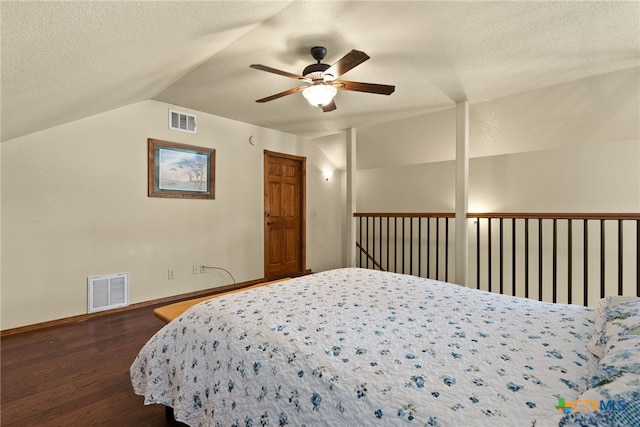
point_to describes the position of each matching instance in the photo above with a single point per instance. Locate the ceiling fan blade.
(329, 107)
(364, 87)
(346, 63)
(281, 94)
(276, 71)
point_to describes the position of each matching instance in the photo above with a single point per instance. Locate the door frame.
(303, 208)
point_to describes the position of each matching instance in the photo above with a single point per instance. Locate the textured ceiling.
(62, 61)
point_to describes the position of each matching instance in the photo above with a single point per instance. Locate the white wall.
(74, 205)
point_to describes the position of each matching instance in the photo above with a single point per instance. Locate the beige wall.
(74, 205)
(569, 147)
(74, 198)
(324, 210)
(572, 147)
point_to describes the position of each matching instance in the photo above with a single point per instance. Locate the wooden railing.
(556, 257)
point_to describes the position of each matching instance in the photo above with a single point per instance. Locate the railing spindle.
(554, 267)
(501, 246)
(388, 243)
(478, 253)
(437, 248)
(489, 252)
(540, 259)
(585, 260)
(411, 246)
(446, 250)
(429, 247)
(419, 247)
(570, 261)
(360, 240)
(602, 258)
(526, 257)
(403, 243)
(395, 244)
(620, 258)
(513, 256)
(373, 237)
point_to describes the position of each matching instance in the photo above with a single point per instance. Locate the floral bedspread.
(356, 347)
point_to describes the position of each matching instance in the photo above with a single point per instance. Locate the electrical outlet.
(196, 269)
(202, 269)
(171, 274)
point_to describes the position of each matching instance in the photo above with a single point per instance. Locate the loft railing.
(570, 258)
(393, 242)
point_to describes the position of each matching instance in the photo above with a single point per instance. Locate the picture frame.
(180, 171)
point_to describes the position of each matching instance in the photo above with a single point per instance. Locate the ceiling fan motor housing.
(315, 68)
(318, 53)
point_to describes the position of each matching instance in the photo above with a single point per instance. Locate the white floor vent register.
(107, 292)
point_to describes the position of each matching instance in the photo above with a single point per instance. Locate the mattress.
(354, 347)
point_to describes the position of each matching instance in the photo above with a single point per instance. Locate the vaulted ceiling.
(62, 61)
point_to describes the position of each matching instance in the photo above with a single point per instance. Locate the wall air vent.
(107, 292)
(182, 121)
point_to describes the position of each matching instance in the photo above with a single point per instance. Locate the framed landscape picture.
(180, 171)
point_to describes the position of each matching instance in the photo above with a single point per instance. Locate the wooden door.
(284, 214)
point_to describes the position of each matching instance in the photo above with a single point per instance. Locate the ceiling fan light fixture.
(322, 80)
(319, 95)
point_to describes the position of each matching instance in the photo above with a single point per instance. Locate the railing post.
(350, 235)
(462, 191)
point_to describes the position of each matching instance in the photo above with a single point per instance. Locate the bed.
(355, 346)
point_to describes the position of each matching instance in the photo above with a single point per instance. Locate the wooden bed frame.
(169, 312)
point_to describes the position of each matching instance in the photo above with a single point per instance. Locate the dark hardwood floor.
(77, 374)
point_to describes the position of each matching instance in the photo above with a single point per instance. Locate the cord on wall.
(223, 269)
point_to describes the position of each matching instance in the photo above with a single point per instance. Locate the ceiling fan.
(321, 80)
